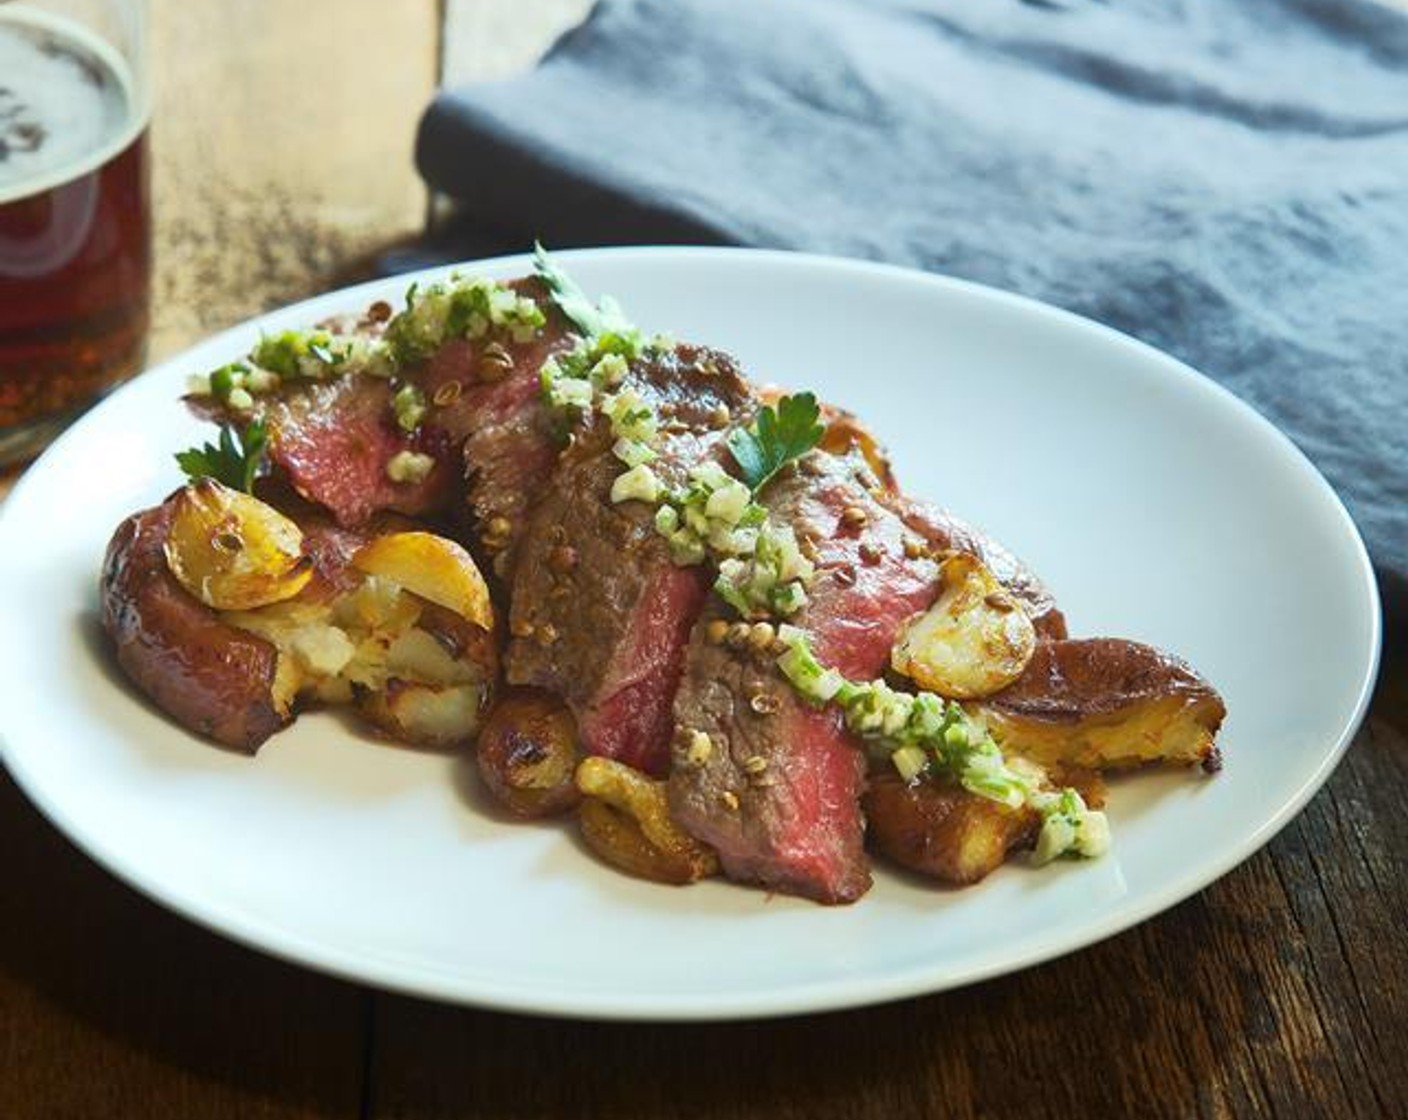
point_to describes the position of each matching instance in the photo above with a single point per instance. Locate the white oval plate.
(1156, 505)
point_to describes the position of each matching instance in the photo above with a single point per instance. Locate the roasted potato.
(232, 551)
(974, 640)
(942, 532)
(210, 676)
(941, 830)
(435, 568)
(1105, 703)
(528, 753)
(418, 666)
(626, 820)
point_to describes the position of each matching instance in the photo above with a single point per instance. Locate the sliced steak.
(599, 612)
(333, 440)
(776, 789)
(492, 409)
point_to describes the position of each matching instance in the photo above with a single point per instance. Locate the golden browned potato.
(940, 829)
(436, 568)
(973, 641)
(626, 820)
(312, 626)
(528, 753)
(232, 551)
(1104, 703)
(942, 532)
(211, 677)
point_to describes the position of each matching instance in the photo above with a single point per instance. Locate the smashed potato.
(626, 820)
(941, 830)
(433, 567)
(232, 551)
(1105, 703)
(975, 640)
(311, 626)
(208, 675)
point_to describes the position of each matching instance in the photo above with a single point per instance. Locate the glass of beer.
(75, 222)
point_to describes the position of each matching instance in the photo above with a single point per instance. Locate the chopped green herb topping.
(463, 307)
(772, 581)
(408, 403)
(409, 467)
(1068, 827)
(308, 354)
(776, 437)
(922, 733)
(236, 460)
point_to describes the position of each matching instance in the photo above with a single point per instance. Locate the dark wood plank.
(1282, 990)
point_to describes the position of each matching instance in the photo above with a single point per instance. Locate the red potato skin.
(209, 676)
(527, 754)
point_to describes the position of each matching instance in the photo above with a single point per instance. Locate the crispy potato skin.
(1104, 703)
(941, 830)
(209, 676)
(527, 754)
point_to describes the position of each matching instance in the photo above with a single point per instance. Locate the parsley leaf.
(776, 437)
(236, 460)
(593, 320)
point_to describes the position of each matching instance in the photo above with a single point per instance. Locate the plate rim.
(829, 995)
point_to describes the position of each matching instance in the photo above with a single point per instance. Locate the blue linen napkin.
(1227, 181)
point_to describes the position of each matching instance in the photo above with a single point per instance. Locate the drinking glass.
(75, 218)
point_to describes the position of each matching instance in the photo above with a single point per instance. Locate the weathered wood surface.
(1282, 990)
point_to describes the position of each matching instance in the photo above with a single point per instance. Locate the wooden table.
(280, 161)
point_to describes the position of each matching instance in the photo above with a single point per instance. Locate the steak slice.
(493, 413)
(776, 787)
(599, 612)
(334, 440)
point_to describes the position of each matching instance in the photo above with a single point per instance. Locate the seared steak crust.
(599, 613)
(494, 412)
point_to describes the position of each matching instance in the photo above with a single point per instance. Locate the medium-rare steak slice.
(761, 775)
(599, 611)
(334, 440)
(401, 413)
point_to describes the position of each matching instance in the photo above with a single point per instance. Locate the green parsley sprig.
(776, 437)
(595, 320)
(236, 460)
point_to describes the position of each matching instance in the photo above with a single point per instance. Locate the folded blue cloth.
(1227, 181)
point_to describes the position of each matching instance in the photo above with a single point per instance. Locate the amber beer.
(75, 238)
